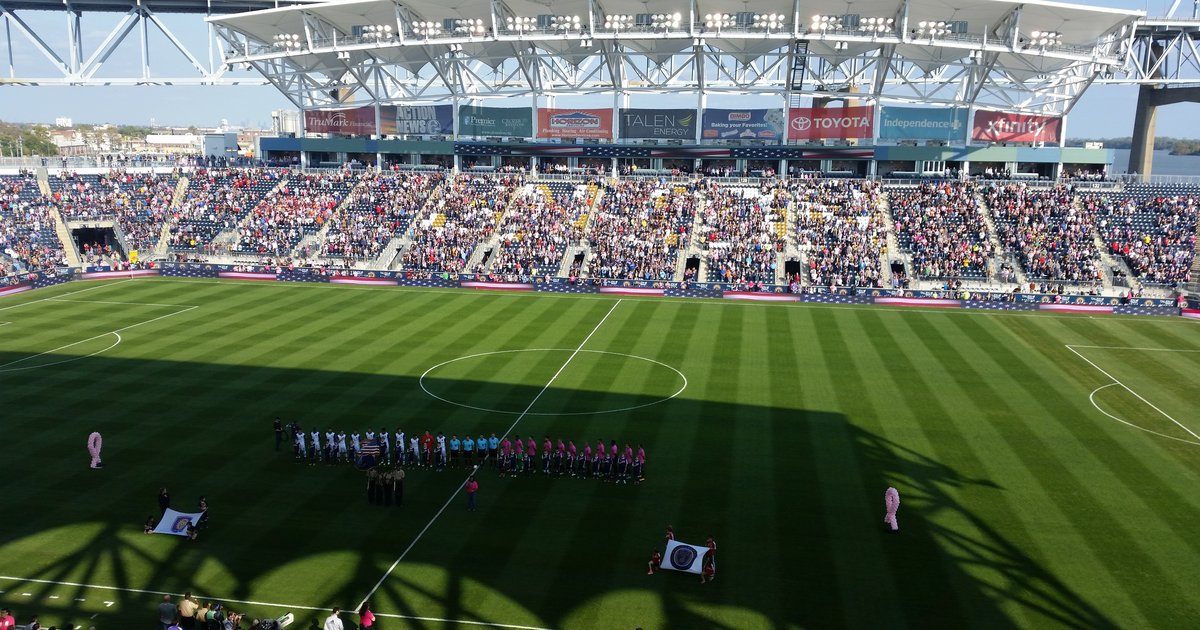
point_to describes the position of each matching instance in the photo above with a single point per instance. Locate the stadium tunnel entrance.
(97, 239)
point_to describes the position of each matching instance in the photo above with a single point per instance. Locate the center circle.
(426, 378)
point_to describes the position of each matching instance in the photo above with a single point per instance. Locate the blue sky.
(1102, 112)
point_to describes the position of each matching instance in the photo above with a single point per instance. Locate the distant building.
(63, 121)
(285, 121)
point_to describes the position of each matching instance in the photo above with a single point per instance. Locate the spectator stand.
(217, 200)
(376, 214)
(136, 204)
(639, 228)
(1049, 234)
(1153, 234)
(298, 209)
(943, 230)
(28, 240)
(743, 230)
(840, 234)
(544, 217)
(452, 227)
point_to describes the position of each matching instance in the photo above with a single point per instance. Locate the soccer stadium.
(465, 354)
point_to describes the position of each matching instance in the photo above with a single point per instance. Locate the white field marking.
(4, 324)
(248, 602)
(421, 382)
(1138, 349)
(458, 489)
(7, 366)
(1092, 399)
(118, 303)
(1127, 388)
(705, 301)
(54, 297)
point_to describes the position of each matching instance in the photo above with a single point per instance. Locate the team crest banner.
(176, 523)
(684, 557)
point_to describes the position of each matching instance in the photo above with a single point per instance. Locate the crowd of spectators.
(941, 225)
(300, 207)
(1156, 235)
(464, 216)
(1050, 235)
(217, 200)
(840, 229)
(738, 225)
(380, 208)
(27, 237)
(538, 226)
(139, 202)
(639, 228)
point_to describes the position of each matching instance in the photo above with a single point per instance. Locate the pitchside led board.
(1009, 127)
(513, 122)
(831, 123)
(743, 124)
(948, 124)
(679, 124)
(575, 123)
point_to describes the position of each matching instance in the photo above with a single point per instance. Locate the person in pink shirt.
(531, 452)
(587, 460)
(597, 458)
(472, 487)
(572, 456)
(505, 449)
(639, 466)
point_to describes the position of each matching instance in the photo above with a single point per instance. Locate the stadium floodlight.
(427, 29)
(469, 26)
(618, 22)
(286, 41)
(377, 32)
(666, 21)
(877, 25)
(768, 21)
(932, 29)
(825, 23)
(522, 24)
(1044, 39)
(566, 23)
(718, 21)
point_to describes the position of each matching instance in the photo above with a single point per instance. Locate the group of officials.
(510, 457)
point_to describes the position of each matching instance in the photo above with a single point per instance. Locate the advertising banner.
(831, 123)
(359, 121)
(1008, 127)
(658, 123)
(574, 123)
(743, 124)
(475, 120)
(947, 124)
(424, 121)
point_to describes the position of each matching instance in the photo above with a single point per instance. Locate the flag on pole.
(684, 557)
(176, 523)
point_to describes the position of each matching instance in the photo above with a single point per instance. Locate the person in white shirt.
(342, 446)
(331, 446)
(356, 443)
(385, 448)
(400, 442)
(416, 448)
(441, 455)
(332, 622)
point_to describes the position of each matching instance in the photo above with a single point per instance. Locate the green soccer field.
(1047, 464)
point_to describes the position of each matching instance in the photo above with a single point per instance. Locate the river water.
(1164, 163)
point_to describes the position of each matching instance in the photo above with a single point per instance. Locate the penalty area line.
(454, 494)
(250, 602)
(7, 367)
(1115, 381)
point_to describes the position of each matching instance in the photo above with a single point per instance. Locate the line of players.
(509, 457)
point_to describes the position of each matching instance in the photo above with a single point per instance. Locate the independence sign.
(424, 121)
(658, 123)
(743, 124)
(923, 123)
(516, 122)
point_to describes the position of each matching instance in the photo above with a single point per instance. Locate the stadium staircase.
(785, 228)
(64, 235)
(43, 180)
(164, 237)
(399, 242)
(492, 243)
(1107, 260)
(316, 240)
(999, 254)
(695, 243)
(891, 250)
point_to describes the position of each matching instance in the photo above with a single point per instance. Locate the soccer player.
(503, 464)
(401, 447)
(385, 448)
(300, 448)
(532, 451)
(315, 444)
(414, 444)
(597, 458)
(623, 469)
(639, 466)
(441, 452)
(330, 445)
(455, 450)
(655, 562)
(427, 448)
(572, 454)
(343, 452)
(356, 444)
(587, 460)
(547, 453)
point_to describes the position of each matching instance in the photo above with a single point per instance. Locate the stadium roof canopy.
(1032, 56)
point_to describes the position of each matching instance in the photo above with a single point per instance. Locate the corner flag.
(684, 557)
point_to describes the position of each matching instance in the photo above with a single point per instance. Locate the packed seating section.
(841, 231)
(738, 228)
(544, 218)
(639, 229)
(941, 225)
(28, 241)
(380, 208)
(1051, 236)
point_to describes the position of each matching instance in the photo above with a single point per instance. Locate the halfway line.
(510, 428)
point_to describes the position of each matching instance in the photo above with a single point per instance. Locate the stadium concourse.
(804, 235)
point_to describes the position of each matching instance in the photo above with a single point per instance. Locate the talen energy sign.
(743, 124)
(514, 122)
(658, 123)
(574, 123)
(947, 124)
(1009, 127)
(831, 123)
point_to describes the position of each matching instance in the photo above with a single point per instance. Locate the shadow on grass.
(541, 552)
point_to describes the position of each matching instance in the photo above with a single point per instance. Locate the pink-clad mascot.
(94, 443)
(891, 500)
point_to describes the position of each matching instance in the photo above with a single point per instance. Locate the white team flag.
(684, 557)
(176, 523)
